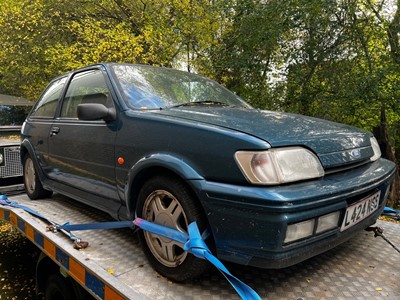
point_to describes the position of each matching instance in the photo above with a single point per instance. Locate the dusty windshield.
(13, 111)
(145, 87)
(13, 115)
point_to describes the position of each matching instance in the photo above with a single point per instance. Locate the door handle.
(54, 131)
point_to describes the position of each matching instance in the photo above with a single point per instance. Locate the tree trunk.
(381, 135)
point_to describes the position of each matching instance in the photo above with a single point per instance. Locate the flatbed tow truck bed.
(114, 267)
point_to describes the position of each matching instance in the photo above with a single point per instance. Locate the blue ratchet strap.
(7, 202)
(78, 243)
(391, 213)
(194, 244)
(91, 226)
(67, 226)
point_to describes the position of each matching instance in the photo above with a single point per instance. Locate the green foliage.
(338, 60)
(43, 38)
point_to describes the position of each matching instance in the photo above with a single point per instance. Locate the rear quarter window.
(47, 104)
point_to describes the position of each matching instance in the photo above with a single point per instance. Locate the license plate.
(360, 210)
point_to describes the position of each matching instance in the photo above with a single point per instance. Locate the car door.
(82, 152)
(40, 120)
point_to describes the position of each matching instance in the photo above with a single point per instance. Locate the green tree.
(248, 49)
(334, 59)
(43, 38)
(338, 60)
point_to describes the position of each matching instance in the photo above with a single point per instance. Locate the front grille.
(11, 166)
(347, 167)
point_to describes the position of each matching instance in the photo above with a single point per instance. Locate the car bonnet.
(335, 144)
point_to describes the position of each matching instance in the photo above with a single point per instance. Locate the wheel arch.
(27, 148)
(45, 267)
(158, 164)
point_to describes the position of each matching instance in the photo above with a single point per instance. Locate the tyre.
(33, 186)
(59, 288)
(168, 201)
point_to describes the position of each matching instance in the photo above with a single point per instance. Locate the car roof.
(15, 101)
(107, 65)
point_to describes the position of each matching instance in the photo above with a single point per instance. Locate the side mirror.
(95, 111)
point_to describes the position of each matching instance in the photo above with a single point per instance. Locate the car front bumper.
(249, 223)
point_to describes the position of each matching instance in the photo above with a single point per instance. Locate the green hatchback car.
(272, 189)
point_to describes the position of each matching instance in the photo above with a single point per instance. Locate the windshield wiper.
(200, 103)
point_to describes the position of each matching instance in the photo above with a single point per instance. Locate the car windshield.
(11, 115)
(145, 87)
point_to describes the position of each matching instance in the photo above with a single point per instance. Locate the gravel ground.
(17, 265)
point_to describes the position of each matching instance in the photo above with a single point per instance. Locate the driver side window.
(85, 87)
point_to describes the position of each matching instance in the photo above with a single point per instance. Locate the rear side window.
(85, 87)
(47, 104)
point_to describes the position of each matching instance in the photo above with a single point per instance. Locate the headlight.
(279, 165)
(376, 148)
(1, 158)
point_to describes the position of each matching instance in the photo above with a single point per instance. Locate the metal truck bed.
(113, 266)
